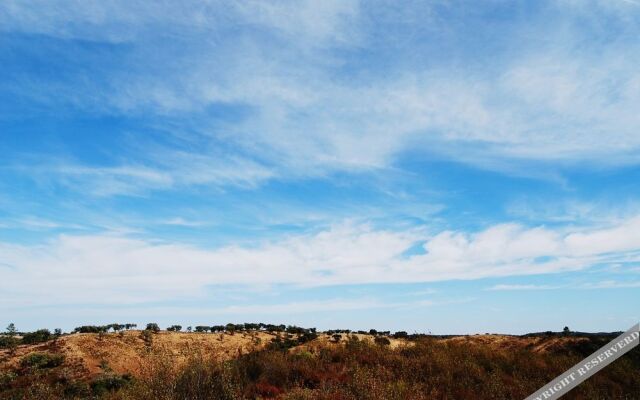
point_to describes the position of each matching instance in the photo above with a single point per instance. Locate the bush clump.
(41, 360)
(7, 342)
(110, 383)
(39, 336)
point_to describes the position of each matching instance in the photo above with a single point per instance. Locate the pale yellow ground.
(89, 353)
(537, 344)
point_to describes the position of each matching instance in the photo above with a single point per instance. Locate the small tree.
(153, 327)
(11, 329)
(230, 328)
(175, 328)
(566, 331)
(56, 334)
(12, 342)
(401, 335)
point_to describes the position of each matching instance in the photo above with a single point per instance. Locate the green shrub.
(7, 342)
(77, 389)
(39, 336)
(401, 335)
(90, 329)
(41, 360)
(110, 383)
(147, 337)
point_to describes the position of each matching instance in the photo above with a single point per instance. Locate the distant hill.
(258, 364)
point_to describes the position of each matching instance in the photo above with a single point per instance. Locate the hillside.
(131, 364)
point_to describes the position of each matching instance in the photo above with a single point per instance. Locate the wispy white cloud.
(97, 268)
(179, 221)
(303, 307)
(611, 284)
(37, 223)
(576, 211)
(311, 111)
(311, 23)
(119, 20)
(424, 292)
(278, 311)
(608, 284)
(176, 170)
(524, 287)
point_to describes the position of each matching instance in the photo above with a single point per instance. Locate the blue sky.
(443, 166)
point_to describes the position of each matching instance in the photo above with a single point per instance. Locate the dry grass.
(200, 366)
(126, 352)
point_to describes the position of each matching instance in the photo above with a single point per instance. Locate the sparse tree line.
(247, 327)
(11, 337)
(43, 335)
(374, 332)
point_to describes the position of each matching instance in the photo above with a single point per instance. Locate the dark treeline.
(115, 327)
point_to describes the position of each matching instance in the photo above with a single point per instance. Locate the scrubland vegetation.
(303, 364)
